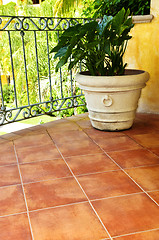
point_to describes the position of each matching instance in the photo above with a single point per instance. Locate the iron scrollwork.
(26, 112)
(21, 25)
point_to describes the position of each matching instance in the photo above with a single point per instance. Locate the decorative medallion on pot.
(112, 91)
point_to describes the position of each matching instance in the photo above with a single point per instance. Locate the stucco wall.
(143, 53)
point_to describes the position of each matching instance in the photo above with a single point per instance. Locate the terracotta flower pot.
(112, 100)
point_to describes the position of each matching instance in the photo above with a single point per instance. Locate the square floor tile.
(147, 117)
(140, 127)
(85, 123)
(33, 139)
(44, 170)
(79, 148)
(53, 193)
(134, 158)
(6, 145)
(108, 184)
(11, 200)
(37, 153)
(146, 177)
(155, 151)
(150, 140)
(15, 227)
(36, 128)
(155, 123)
(9, 175)
(148, 235)
(37, 132)
(73, 222)
(128, 214)
(68, 136)
(22, 132)
(10, 136)
(91, 164)
(4, 141)
(117, 143)
(155, 195)
(55, 124)
(96, 134)
(7, 156)
(75, 118)
(61, 125)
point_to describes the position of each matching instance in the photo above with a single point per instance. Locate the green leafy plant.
(98, 46)
(99, 8)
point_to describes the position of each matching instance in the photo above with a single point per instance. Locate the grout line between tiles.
(74, 203)
(126, 173)
(37, 161)
(12, 214)
(153, 190)
(12, 185)
(24, 194)
(125, 195)
(129, 234)
(58, 206)
(83, 191)
(8, 165)
(77, 175)
(142, 145)
(93, 173)
(46, 180)
(82, 155)
(137, 184)
(142, 166)
(53, 159)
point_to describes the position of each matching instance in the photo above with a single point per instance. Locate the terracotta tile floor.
(65, 180)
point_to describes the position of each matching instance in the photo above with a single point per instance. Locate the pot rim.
(126, 73)
(134, 79)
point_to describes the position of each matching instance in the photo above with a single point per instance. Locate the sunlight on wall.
(143, 53)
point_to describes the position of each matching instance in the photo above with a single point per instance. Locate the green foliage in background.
(8, 94)
(23, 9)
(18, 60)
(68, 8)
(99, 8)
(48, 8)
(8, 9)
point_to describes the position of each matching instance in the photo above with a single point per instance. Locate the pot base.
(109, 126)
(112, 121)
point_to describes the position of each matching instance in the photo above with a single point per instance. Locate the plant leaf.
(61, 52)
(104, 24)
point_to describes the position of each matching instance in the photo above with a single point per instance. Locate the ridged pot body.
(112, 100)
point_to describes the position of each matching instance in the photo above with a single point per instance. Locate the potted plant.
(111, 91)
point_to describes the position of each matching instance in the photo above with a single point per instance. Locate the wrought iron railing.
(29, 86)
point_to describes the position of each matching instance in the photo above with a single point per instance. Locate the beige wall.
(143, 53)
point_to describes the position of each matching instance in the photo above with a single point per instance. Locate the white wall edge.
(142, 18)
